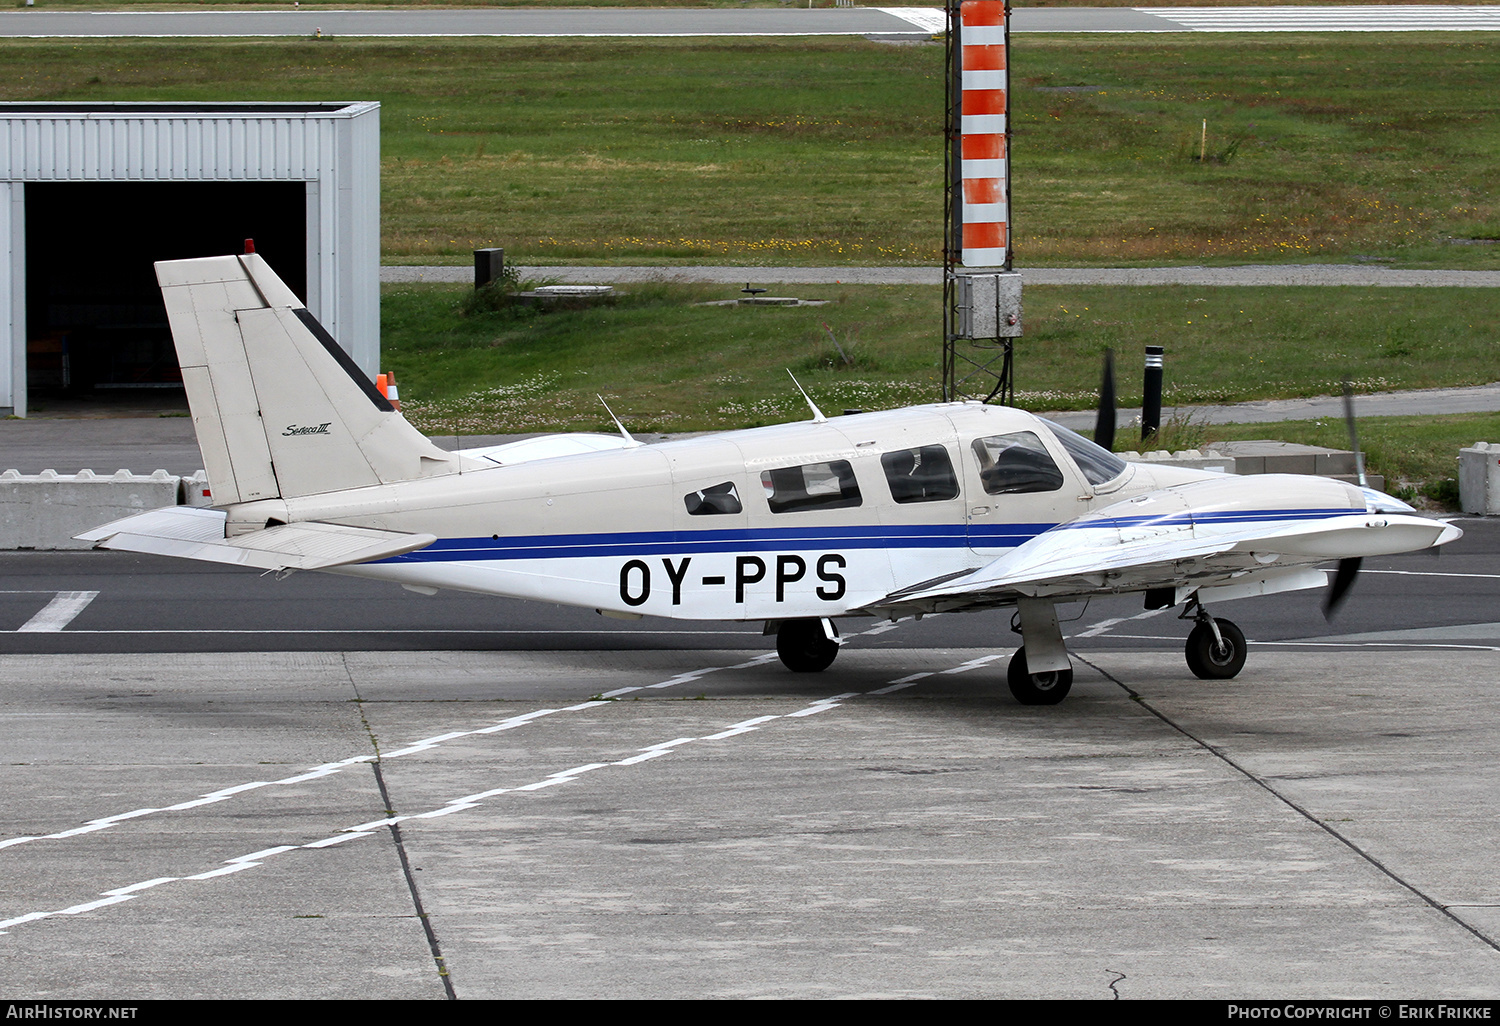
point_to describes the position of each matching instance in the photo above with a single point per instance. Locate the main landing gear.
(807, 646)
(1215, 648)
(1046, 675)
(1029, 688)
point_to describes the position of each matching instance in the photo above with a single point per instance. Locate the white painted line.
(643, 757)
(143, 885)
(86, 829)
(376, 824)
(824, 704)
(426, 744)
(264, 853)
(329, 842)
(235, 868)
(238, 789)
(1103, 626)
(89, 906)
(743, 727)
(121, 816)
(29, 917)
(757, 661)
(617, 692)
(1427, 573)
(58, 613)
(193, 804)
(973, 664)
(248, 861)
(516, 721)
(322, 771)
(482, 795)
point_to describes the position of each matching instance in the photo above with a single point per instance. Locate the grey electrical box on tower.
(989, 304)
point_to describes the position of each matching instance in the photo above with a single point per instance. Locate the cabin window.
(1017, 462)
(715, 501)
(920, 475)
(814, 486)
(1097, 463)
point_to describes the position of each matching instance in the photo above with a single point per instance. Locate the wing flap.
(196, 533)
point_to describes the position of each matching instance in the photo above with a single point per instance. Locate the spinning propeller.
(1104, 427)
(1348, 569)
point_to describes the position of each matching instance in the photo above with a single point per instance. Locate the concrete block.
(45, 511)
(195, 490)
(1332, 464)
(1185, 458)
(1291, 463)
(1479, 478)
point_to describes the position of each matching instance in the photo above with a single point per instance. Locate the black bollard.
(489, 264)
(1151, 405)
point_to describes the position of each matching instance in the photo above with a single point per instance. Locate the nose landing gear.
(1215, 648)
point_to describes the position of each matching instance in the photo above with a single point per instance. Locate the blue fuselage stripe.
(650, 543)
(746, 540)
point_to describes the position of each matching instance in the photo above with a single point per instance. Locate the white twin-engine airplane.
(955, 506)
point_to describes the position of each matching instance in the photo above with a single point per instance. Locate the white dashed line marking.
(58, 613)
(465, 803)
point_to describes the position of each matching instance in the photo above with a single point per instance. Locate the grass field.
(1329, 147)
(665, 363)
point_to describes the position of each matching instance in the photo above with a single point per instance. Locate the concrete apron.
(706, 824)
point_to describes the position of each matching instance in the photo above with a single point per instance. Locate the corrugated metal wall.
(334, 148)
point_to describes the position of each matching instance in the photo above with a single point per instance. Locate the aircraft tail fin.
(279, 407)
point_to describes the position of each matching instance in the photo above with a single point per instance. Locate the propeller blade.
(1104, 427)
(1359, 457)
(1343, 580)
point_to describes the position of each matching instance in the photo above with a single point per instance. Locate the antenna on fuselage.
(818, 417)
(630, 441)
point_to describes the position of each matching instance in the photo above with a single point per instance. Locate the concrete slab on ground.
(214, 826)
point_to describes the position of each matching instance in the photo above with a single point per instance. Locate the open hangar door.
(91, 194)
(96, 328)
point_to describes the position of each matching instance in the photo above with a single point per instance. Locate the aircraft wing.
(198, 533)
(1241, 542)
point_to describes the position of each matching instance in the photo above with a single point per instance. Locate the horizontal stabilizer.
(198, 533)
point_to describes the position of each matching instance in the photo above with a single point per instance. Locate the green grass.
(671, 364)
(776, 151)
(666, 364)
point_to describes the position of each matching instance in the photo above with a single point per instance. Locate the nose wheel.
(1215, 647)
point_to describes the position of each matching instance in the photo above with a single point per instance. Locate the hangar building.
(92, 194)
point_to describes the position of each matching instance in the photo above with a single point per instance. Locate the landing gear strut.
(1215, 648)
(807, 646)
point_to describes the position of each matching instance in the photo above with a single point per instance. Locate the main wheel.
(1209, 661)
(1037, 688)
(803, 647)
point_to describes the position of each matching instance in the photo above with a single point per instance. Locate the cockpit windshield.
(1098, 464)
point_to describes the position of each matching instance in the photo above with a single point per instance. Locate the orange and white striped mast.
(982, 294)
